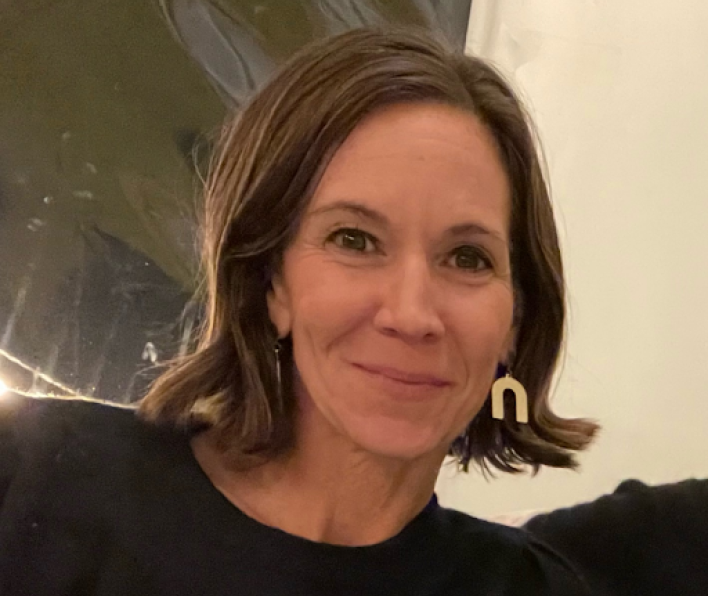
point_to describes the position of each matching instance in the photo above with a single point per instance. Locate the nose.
(408, 306)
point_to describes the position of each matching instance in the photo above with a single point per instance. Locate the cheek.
(330, 301)
(483, 324)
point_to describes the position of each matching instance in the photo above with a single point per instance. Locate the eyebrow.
(360, 210)
(354, 208)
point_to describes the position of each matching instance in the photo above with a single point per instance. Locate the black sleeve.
(640, 540)
(544, 572)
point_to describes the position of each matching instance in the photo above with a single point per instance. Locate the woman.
(378, 246)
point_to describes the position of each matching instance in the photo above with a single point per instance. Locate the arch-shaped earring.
(522, 403)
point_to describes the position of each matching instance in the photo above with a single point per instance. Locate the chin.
(398, 440)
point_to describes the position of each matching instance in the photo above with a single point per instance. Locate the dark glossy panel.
(104, 106)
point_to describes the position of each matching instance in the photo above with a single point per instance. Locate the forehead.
(413, 153)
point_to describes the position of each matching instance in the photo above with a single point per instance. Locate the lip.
(403, 376)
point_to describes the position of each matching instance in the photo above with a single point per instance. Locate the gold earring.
(522, 403)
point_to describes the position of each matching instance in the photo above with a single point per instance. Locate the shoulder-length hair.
(267, 163)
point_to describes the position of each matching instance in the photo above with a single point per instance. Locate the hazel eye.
(470, 258)
(353, 240)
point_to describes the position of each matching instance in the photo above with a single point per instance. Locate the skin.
(397, 292)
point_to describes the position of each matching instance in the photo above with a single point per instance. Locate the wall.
(620, 94)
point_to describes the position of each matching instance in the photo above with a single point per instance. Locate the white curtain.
(619, 89)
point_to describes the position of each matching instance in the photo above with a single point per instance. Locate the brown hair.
(267, 163)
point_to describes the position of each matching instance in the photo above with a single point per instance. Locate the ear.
(279, 308)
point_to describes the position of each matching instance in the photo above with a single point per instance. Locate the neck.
(326, 490)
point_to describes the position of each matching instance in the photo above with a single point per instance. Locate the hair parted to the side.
(266, 165)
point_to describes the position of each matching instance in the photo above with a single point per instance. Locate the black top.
(93, 501)
(639, 541)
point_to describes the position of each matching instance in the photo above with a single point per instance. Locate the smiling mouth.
(406, 378)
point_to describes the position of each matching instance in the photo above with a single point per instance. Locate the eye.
(470, 258)
(353, 239)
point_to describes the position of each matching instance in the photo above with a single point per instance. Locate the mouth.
(404, 377)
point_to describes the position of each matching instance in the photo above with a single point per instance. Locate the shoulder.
(523, 564)
(58, 413)
(32, 426)
(51, 440)
(72, 472)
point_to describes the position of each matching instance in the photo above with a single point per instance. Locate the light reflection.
(36, 373)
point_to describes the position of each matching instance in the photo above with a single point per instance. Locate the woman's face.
(397, 288)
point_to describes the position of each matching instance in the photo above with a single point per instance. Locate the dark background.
(106, 107)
